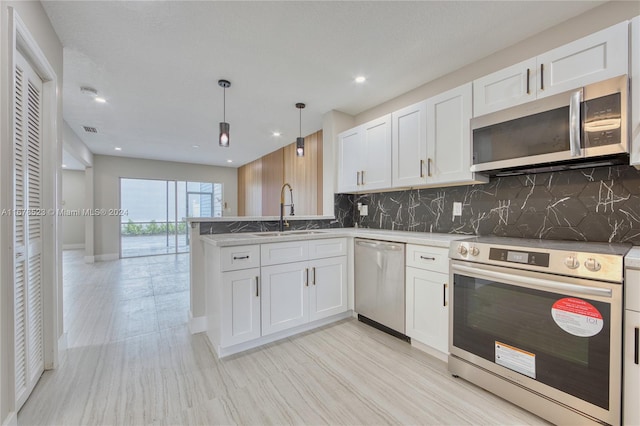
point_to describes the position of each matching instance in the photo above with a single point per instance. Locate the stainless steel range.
(539, 323)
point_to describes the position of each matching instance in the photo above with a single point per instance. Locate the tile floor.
(131, 360)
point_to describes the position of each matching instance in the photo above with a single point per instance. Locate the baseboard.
(72, 246)
(89, 259)
(431, 351)
(197, 324)
(106, 257)
(11, 420)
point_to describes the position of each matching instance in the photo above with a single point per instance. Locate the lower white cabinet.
(631, 392)
(241, 312)
(427, 311)
(427, 297)
(296, 293)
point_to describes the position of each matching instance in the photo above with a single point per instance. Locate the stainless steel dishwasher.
(379, 285)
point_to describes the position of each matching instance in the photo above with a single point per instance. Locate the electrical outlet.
(364, 210)
(457, 209)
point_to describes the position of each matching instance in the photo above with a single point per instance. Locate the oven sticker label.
(577, 317)
(516, 359)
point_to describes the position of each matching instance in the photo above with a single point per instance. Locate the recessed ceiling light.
(360, 79)
(117, 148)
(100, 100)
(195, 146)
(276, 133)
(229, 161)
(64, 166)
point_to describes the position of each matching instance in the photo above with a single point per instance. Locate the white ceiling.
(157, 63)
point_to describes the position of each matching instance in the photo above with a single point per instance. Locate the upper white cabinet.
(409, 145)
(363, 156)
(449, 138)
(635, 91)
(432, 141)
(594, 58)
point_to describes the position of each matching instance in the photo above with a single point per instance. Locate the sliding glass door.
(156, 210)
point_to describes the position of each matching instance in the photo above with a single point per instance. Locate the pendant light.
(300, 139)
(224, 126)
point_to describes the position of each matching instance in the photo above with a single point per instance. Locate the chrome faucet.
(282, 222)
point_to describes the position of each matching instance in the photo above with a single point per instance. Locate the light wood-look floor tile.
(132, 361)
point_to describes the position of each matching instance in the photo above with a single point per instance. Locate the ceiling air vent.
(90, 129)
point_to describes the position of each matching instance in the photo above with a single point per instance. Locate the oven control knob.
(571, 262)
(592, 264)
(462, 250)
(474, 251)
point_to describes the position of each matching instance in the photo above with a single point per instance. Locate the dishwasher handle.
(380, 245)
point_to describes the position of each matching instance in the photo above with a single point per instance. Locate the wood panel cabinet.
(272, 178)
(596, 57)
(250, 189)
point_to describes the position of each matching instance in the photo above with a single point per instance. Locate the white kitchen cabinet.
(285, 296)
(596, 57)
(508, 87)
(635, 91)
(449, 138)
(409, 146)
(241, 310)
(427, 312)
(328, 288)
(363, 157)
(631, 367)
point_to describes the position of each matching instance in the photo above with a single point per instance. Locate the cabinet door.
(349, 160)
(285, 296)
(449, 136)
(635, 92)
(409, 145)
(427, 312)
(505, 88)
(241, 309)
(328, 295)
(597, 57)
(631, 408)
(376, 150)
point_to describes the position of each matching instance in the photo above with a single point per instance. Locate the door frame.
(21, 40)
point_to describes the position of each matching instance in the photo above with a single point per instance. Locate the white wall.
(74, 146)
(38, 25)
(73, 199)
(107, 172)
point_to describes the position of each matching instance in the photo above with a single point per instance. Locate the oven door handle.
(537, 282)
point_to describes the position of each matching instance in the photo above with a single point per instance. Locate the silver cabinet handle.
(257, 287)
(358, 178)
(306, 281)
(528, 80)
(427, 258)
(362, 177)
(444, 294)
(421, 168)
(240, 257)
(574, 123)
(541, 76)
(314, 276)
(635, 348)
(429, 167)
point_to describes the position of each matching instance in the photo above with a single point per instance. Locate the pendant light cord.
(224, 104)
(300, 121)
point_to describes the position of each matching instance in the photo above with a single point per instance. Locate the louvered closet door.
(29, 341)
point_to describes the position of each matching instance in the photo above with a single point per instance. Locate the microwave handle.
(574, 123)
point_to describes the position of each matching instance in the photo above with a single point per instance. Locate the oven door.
(557, 336)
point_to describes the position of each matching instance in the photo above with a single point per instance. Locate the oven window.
(487, 312)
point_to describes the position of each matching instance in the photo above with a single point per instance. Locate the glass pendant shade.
(300, 147)
(224, 135)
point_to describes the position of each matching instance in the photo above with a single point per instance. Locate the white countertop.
(255, 218)
(246, 238)
(632, 259)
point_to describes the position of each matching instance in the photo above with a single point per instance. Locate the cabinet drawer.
(632, 290)
(241, 257)
(276, 253)
(329, 247)
(430, 258)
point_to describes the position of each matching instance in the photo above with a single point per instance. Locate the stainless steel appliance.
(379, 284)
(583, 127)
(540, 323)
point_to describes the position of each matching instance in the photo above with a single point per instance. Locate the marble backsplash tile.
(265, 226)
(597, 204)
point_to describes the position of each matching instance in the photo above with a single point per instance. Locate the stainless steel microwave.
(580, 128)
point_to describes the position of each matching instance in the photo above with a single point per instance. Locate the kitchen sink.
(285, 233)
